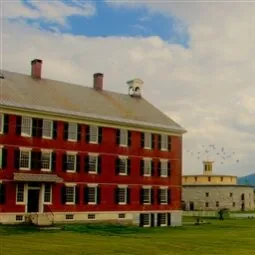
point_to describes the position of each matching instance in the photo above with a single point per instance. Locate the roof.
(50, 96)
(37, 177)
(211, 175)
(216, 185)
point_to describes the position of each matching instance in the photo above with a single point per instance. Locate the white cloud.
(208, 87)
(50, 11)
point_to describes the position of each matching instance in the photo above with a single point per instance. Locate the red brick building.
(75, 153)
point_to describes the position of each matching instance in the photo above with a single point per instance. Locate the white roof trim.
(94, 116)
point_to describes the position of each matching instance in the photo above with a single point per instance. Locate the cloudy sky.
(196, 59)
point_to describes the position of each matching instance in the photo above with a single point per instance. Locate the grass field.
(233, 237)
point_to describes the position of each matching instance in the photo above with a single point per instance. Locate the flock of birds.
(211, 152)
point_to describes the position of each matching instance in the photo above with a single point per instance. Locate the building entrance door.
(33, 200)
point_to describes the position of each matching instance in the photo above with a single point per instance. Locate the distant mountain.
(247, 180)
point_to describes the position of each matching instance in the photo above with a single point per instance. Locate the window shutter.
(16, 158)
(34, 160)
(78, 164)
(152, 196)
(169, 143)
(2, 193)
(53, 161)
(169, 196)
(39, 160)
(158, 196)
(169, 219)
(152, 168)
(142, 140)
(152, 220)
(64, 163)
(86, 163)
(6, 123)
(152, 141)
(77, 194)
(87, 134)
(99, 164)
(39, 127)
(55, 129)
(85, 195)
(159, 168)
(100, 134)
(129, 138)
(118, 137)
(63, 195)
(128, 166)
(116, 195)
(18, 125)
(141, 167)
(117, 166)
(79, 132)
(65, 131)
(34, 128)
(159, 142)
(4, 158)
(168, 168)
(158, 219)
(98, 195)
(141, 196)
(141, 220)
(128, 195)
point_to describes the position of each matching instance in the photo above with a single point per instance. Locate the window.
(93, 163)
(19, 217)
(209, 179)
(46, 161)
(122, 216)
(162, 219)
(92, 195)
(1, 157)
(25, 159)
(47, 193)
(71, 162)
(195, 179)
(164, 142)
(70, 194)
(234, 204)
(122, 166)
(163, 195)
(146, 220)
(147, 140)
(221, 178)
(26, 126)
(69, 216)
(20, 193)
(47, 129)
(1, 123)
(72, 131)
(91, 216)
(123, 137)
(217, 204)
(146, 195)
(147, 167)
(231, 194)
(207, 194)
(164, 168)
(206, 204)
(122, 195)
(93, 134)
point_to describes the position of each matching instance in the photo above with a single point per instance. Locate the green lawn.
(233, 237)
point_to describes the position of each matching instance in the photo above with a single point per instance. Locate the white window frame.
(123, 136)
(96, 167)
(95, 186)
(164, 161)
(24, 193)
(30, 119)
(51, 129)
(1, 156)
(147, 188)
(164, 224)
(50, 202)
(125, 196)
(126, 165)
(147, 139)
(147, 161)
(69, 133)
(96, 129)
(166, 190)
(29, 161)
(47, 151)
(1, 123)
(164, 136)
(71, 185)
(72, 153)
(149, 223)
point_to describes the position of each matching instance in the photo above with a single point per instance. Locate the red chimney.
(36, 68)
(98, 81)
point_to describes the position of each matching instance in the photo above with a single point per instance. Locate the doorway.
(33, 200)
(191, 206)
